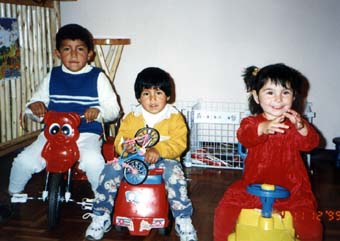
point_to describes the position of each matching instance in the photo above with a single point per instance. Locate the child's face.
(153, 100)
(74, 54)
(274, 99)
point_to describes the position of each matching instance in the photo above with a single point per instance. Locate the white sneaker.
(185, 229)
(98, 226)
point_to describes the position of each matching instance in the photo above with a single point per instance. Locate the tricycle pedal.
(20, 198)
(86, 204)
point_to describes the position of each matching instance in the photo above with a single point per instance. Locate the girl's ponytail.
(249, 77)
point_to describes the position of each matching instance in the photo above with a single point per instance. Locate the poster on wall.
(9, 48)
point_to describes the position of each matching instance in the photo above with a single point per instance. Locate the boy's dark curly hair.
(74, 31)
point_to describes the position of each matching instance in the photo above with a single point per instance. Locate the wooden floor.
(206, 188)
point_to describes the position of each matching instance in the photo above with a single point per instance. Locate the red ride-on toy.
(141, 203)
(61, 154)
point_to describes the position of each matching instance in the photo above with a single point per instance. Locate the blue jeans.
(175, 184)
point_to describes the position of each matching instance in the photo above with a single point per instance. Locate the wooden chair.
(108, 54)
(109, 60)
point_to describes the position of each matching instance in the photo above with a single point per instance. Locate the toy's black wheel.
(120, 229)
(135, 172)
(152, 137)
(55, 195)
(167, 230)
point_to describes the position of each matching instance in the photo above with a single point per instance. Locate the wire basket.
(213, 126)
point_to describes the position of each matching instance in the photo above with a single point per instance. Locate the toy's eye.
(54, 128)
(67, 129)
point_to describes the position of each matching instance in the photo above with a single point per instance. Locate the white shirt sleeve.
(42, 93)
(108, 103)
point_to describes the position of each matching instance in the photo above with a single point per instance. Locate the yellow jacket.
(172, 130)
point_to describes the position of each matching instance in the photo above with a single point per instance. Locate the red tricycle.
(141, 203)
(61, 154)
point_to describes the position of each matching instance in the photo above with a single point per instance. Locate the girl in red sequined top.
(275, 135)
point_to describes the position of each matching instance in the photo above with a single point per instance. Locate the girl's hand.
(91, 114)
(151, 156)
(272, 126)
(297, 120)
(129, 146)
(38, 108)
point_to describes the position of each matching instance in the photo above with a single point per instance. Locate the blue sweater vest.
(75, 93)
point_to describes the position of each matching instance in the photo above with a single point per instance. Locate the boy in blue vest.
(74, 86)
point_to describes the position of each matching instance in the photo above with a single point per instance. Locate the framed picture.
(9, 48)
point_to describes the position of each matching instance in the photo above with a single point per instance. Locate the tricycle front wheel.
(55, 196)
(135, 172)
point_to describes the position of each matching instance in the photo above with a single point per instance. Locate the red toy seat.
(143, 207)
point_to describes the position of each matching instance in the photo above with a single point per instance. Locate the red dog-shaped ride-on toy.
(61, 149)
(61, 154)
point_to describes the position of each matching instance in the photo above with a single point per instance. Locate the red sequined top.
(275, 159)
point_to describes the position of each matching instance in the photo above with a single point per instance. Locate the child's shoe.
(99, 226)
(185, 229)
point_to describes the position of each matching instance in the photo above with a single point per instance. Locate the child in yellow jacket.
(152, 90)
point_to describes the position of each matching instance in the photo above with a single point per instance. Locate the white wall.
(205, 45)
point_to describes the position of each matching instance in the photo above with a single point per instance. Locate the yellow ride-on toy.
(264, 225)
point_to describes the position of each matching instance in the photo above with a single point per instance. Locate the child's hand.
(297, 120)
(38, 108)
(91, 114)
(129, 146)
(272, 126)
(151, 156)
